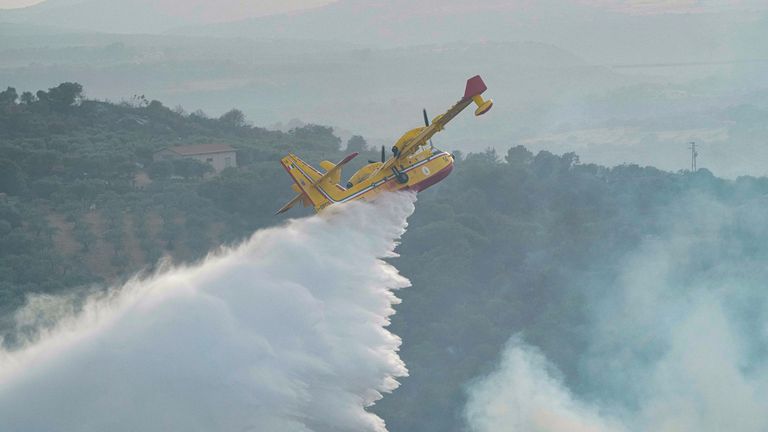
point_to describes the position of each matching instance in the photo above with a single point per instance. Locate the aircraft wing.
(475, 87)
(437, 125)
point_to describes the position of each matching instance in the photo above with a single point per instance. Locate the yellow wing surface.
(416, 138)
(312, 184)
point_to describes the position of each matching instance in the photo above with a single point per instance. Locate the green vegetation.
(74, 210)
(505, 244)
(520, 245)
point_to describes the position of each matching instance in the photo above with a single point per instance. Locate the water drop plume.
(285, 332)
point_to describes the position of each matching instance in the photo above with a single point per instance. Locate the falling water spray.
(285, 332)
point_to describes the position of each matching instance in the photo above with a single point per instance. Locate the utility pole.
(694, 155)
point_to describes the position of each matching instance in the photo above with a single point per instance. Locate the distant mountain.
(597, 33)
(119, 16)
(387, 22)
(144, 16)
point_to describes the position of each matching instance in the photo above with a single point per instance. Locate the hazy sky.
(265, 6)
(10, 4)
(678, 6)
(628, 6)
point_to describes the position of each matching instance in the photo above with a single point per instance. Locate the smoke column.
(285, 332)
(678, 343)
(524, 394)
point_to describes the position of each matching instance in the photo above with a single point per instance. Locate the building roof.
(191, 150)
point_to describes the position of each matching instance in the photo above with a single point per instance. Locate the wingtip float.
(414, 165)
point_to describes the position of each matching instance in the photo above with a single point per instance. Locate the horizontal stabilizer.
(335, 171)
(328, 166)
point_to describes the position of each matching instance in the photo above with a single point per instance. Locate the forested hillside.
(507, 243)
(526, 244)
(83, 202)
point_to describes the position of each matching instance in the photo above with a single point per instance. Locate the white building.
(219, 156)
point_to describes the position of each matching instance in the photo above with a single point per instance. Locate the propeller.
(426, 123)
(383, 156)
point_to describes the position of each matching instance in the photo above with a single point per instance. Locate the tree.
(84, 235)
(519, 156)
(199, 114)
(156, 105)
(65, 95)
(46, 187)
(189, 168)
(39, 163)
(160, 170)
(10, 214)
(489, 156)
(233, 118)
(137, 101)
(144, 154)
(357, 143)
(28, 98)
(546, 163)
(84, 190)
(5, 227)
(569, 159)
(8, 97)
(42, 95)
(315, 137)
(11, 177)
(35, 222)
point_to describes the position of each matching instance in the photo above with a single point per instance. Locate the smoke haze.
(525, 394)
(285, 332)
(677, 343)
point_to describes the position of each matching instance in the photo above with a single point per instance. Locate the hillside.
(511, 243)
(142, 16)
(83, 202)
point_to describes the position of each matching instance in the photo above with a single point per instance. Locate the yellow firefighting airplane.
(414, 165)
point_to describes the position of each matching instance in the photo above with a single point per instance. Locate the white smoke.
(525, 395)
(285, 332)
(679, 343)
